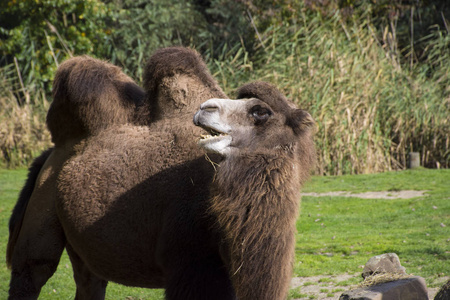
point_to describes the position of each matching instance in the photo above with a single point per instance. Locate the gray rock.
(384, 263)
(413, 288)
(413, 160)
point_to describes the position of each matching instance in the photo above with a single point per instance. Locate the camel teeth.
(208, 136)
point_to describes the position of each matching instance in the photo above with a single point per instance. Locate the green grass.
(432, 180)
(296, 293)
(338, 235)
(349, 232)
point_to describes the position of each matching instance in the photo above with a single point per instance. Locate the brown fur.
(257, 193)
(305, 147)
(154, 181)
(169, 76)
(444, 292)
(126, 201)
(256, 218)
(88, 96)
(15, 222)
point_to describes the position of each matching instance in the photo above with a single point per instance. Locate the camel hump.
(89, 95)
(177, 78)
(15, 222)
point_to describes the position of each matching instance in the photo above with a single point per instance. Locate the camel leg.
(204, 279)
(36, 255)
(89, 286)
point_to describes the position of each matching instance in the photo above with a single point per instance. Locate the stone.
(413, 160)
(444, 292)
(413, 288)
(384, 263)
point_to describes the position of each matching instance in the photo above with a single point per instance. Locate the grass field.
(336, 235)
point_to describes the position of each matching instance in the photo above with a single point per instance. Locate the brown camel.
(130, 200)
(268, 152)
(90, 95)
(176, 79)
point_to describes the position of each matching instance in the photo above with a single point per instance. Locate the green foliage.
(143, 26)
(296, 293)
(228, 24)
(376, 91)
(389, 181)
(410, 21)
(41, 33)
(140, 27)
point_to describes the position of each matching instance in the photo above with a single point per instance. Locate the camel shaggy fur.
(268, 152)
(166, 143)
(89, 95)
(130, 196)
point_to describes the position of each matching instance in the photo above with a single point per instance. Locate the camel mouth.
(213, 133)
(215, 141)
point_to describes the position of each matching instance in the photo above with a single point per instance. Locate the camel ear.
(300, 120)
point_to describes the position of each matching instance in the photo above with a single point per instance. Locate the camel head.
(261, 120)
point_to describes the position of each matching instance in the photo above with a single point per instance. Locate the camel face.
(247, 124)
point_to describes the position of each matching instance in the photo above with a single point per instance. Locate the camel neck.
(273, 173)
(255, 206)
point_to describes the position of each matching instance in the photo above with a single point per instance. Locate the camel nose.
(210, 105)
(196, 118)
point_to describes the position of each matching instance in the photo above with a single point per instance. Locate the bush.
(40, 34)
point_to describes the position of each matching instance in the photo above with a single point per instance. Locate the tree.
(38, 34)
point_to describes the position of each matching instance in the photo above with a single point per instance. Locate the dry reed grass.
(23, 133)
(370, 112)
(377, 279)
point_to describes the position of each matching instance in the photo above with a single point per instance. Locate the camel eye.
(260, 114)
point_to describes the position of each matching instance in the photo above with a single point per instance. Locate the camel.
(129, 196)
(88, 96)
(101, 95)
(267, 149)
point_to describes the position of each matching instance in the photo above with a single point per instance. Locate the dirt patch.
(331, 287)
(407, 194)
(321, 287)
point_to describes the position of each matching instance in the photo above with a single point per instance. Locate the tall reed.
(370, 111)
(23, 133)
